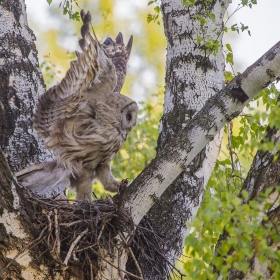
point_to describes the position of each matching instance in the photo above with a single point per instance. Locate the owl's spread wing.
(119, 53)
(92, 72)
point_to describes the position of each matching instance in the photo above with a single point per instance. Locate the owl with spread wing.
(84, 120)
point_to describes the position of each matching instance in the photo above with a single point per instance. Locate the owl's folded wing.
(93, 72)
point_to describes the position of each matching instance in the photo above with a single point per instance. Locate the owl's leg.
(83, 186)
(106, 178)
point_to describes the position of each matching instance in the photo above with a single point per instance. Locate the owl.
(84, 120)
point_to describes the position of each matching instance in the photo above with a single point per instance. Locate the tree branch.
(182, 149)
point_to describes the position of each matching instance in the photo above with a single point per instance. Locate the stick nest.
(74, 234)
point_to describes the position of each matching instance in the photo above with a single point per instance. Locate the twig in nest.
(132, 255)
(101, 231)
(90, 265)
(73, 245)
(72, 223)
(49, 226)
(126, 272)
(57, 239)
(85, 248)
(119, 264)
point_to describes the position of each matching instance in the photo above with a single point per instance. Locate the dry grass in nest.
(74, 232)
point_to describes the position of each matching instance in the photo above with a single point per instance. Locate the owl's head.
(129, 116)
(125, 111)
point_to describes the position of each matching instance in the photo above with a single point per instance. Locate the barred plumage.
(84, 119)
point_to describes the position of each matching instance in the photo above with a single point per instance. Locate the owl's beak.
(130, 129)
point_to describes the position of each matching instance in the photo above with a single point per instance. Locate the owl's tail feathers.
(47, 180)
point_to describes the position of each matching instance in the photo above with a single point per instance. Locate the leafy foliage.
(205, 16)
(229, 229)
(49, 72)
(226, 215)
(67, 6)
(155, 16)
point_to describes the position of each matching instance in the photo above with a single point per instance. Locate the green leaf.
(254, 204)
(229, 58)
(199, 39)
(236, 201)
(149, 18)
(228, 77)
(49, 1)
(245, 194)
(157, 9)
(228, 46)
(213, 17)
(202, 21)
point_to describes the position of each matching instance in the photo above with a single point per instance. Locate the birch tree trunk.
(192, 77)
(20, 84)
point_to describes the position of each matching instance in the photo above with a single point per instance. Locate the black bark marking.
(160, 178)
(204, 63)
(7, 126)
(270, 74)
(239, 94)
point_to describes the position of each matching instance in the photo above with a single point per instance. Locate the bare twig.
(73, 245)
(72, 223)
(126, 272)
(57, 238)
(132, 255)
(119, 262)
(86, 248)
(101, 231)
(231, 152)
(90, 264)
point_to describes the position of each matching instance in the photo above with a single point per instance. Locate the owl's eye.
(128, 117)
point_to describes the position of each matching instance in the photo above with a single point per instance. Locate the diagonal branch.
(182, 149)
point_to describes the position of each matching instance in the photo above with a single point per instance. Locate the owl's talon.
(124, 182)
(122, 185)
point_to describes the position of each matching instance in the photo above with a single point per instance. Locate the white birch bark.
(21, 82)
(179, 151)
(192, 77)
